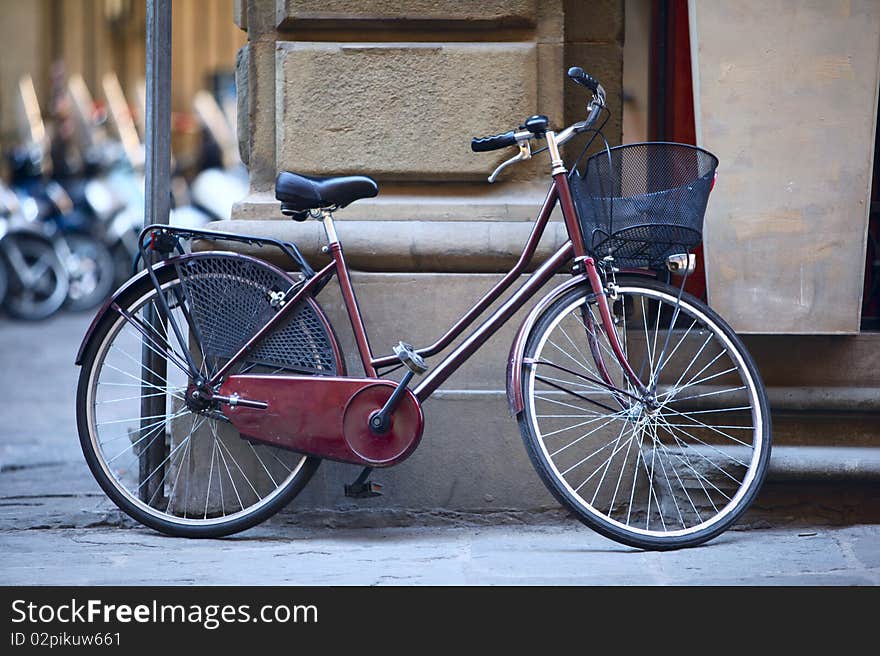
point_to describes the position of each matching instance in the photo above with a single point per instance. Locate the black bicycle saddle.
(305, 192)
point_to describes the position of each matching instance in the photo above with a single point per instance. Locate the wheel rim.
(208, 475)
(683, 464)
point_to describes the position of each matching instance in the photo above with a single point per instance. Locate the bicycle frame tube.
(488, 328)
(492, 295)
(573, 247)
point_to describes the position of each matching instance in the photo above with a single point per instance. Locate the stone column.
(396, 90)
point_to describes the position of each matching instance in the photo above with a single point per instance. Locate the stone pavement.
(57, 528)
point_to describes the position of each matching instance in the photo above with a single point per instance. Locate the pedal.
(407, 354)
(362, 488)
(365, 490)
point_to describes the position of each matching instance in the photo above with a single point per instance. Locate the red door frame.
(671, 115)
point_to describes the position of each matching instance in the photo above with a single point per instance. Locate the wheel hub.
(198, 399)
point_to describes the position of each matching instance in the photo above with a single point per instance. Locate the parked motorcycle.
(33, 279)
(69, 225)
(47, 173)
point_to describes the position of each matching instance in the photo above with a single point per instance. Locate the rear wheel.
(173, 465)
(666, 469)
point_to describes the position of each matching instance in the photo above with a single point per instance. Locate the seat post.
(329, 226)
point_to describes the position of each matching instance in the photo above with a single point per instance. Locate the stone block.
(594, 21)
(403, 111)
(506, 13)
(505, 200)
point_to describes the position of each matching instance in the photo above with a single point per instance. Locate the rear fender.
(123, 289)
(166, 267)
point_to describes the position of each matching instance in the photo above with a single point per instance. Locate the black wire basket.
(640, 203)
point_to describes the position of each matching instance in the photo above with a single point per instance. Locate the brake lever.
(525, 152)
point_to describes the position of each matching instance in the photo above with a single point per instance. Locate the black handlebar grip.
(496, 141)
(577, 74)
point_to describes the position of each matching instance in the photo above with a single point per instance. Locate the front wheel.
(668, 468)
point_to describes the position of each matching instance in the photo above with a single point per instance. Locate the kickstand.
(363, 488)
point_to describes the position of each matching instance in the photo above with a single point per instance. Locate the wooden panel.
(786, 96)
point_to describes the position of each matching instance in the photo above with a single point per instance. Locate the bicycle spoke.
(692, 382)
(168, 457)
(141, 381)
(714, 448)
(699, 424)
(558, 402)
(573, 393)
(585, 435)
(177, 476)
(699, 396)
(656, 443)
(605, 469)
(615, 448)
(219, 444)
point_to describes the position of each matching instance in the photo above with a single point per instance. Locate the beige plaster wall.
(786, 95)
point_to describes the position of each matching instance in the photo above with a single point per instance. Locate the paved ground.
(56, 527)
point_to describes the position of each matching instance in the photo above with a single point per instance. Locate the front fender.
(515, 401)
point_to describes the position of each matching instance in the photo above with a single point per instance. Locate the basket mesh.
(642, 202)
(229, 301)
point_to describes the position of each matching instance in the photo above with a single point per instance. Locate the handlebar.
(579, 76)
(536, 126)
(493, 142)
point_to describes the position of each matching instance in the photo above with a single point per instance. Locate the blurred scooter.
(46, 176)
(33, 280)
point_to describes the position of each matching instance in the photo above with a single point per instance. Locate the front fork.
(599, 289)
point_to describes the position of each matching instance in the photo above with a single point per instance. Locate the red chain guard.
(325, 416)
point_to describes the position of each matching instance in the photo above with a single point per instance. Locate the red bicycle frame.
(573, 248)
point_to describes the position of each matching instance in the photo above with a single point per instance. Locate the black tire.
(147, 512)
(645, 424)
(28, 255)
(91, 271)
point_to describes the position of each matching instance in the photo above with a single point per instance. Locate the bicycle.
(213, 384)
